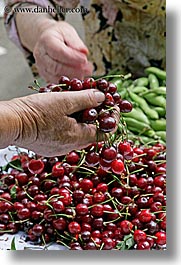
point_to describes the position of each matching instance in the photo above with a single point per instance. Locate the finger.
(60, 52)
(87, 134)
(80, 100)
(77, 43)
(52, 69)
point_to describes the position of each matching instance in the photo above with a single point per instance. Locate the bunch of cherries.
(104, 197)
(102, 115)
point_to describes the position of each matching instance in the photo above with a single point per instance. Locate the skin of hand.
(42, 122)
(60, 51)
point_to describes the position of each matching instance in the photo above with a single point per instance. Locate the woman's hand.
(43, 123)
(60, 51)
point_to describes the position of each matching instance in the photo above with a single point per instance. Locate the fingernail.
(100, 97)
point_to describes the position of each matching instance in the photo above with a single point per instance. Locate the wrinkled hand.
(60, 51)
(46, 126)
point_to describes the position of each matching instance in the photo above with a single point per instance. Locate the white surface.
(2, 5)
(6, 239)
(2, 51)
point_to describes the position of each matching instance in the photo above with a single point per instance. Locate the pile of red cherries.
(104, 197)
(102, 115)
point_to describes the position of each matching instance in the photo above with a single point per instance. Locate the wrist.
(31, 25)
(10, 124)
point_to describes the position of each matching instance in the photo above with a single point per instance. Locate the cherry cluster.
(100, 198)
(102, 116)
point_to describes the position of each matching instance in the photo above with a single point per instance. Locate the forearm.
(10, 124)
(31, 25)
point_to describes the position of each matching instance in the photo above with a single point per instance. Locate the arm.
(30, 26)
(10, 124)
(56, 46)
(42, 123)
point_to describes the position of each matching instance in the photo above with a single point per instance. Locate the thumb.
(79, 100)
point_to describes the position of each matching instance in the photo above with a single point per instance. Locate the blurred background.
(15, 74)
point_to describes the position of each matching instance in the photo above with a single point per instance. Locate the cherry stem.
(33, 88)
(111, 221)
(62, 214)
(63, 243)
(2, 199)
(124, 77)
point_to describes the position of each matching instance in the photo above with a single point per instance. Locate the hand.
(46, 127)
(60, 51)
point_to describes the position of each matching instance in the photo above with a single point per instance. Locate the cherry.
(89, 115)
(152, 227)
(161, 238)
(22, 178)
(33, 190)
(90, 246)
(89, 83)
(97, 223)
(102, 187)
(158, 197)
(125, 106)
(142, 183)
(78, 195)
(107, 124)
(58, 170)
(108, 154)
(124, 148)
(36, 215)
(98, 197)
(74, 227)
(92, 159)
(81, 209)
(86, 185)
(103, 113)
(4, 218)
(44, 89)
(97, 210)
(85, 235)
(112, 88)
(58, 206)
(143, 245)
(66, 81)
(132, 180)
(159, 181)
(145, 216)
(36, 166)
(117, 166)
(155, 206)
(59, 224)
(126, 200)
(102, 85)
(116, 96)
(142, 202)
(6, 196)
(109, 101)
(126, 227)
(23, 213)
(37, 230)
(117, 192)
(5, 207)
(139, 235)
(85, 226)
(12, 227)
(108, 243)
(76, 84)
(104, 165)
(72, 158)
